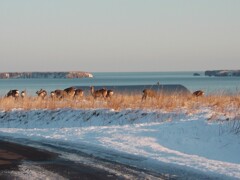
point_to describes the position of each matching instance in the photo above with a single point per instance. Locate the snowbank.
(178, 138)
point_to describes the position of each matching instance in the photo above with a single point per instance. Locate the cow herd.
(76, 93)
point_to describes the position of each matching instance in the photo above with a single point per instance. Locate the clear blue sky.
(119, 35)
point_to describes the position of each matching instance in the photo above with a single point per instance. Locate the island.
(223, 73)
(64, 75)
(196, 74)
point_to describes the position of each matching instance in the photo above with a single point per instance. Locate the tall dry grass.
(220, 103)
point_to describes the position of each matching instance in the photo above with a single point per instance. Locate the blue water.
(208, 84)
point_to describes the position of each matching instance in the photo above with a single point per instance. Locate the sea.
(192, 83)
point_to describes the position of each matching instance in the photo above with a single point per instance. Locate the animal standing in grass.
(58, 94)
(149, 93)
(70, 92)
(198, 93)
(53, 95)
(78, 94)
(98, 93)
(13, 93)
(41, 93)
(109, 93)
(23, 94)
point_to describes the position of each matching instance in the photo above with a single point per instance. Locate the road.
(28, 159)
(59, 162)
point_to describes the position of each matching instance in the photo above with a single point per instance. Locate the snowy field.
(173, 139)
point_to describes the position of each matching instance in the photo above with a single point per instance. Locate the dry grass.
(219, 103)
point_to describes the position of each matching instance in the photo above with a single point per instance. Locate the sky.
(119, 35)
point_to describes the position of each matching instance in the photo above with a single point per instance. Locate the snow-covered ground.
(174, 139)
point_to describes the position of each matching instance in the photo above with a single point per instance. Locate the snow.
(177, 138)
(29, 171)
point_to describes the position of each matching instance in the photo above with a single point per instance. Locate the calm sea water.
(208, 84)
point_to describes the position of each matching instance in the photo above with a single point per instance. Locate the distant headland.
(26, 75)
(223, 73)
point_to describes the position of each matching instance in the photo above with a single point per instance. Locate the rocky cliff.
(23, 75)
(223, 73)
